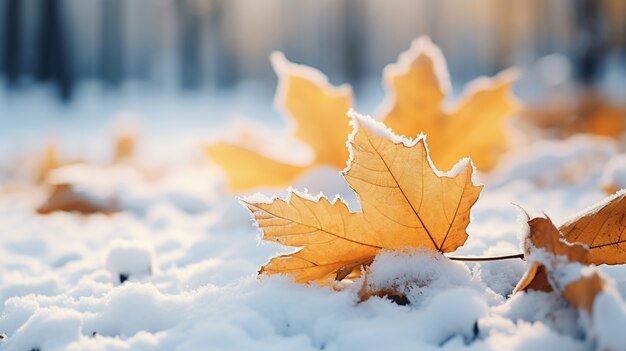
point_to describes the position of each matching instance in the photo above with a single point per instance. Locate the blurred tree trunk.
(12, 41)
(353, 53)
(590, 46)
(190, 20)
(226, 64)
(112, 42)
(52, 51)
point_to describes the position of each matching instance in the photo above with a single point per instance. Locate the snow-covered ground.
(176, 268)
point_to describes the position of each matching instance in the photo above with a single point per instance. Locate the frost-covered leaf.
(542, 234)
(562, 265)
(583, 292)
(603, 229)
(405, 202)
(418, 85)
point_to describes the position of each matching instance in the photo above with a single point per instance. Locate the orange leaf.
(417, 86)
(64, 198)
(545, 274)
(603, 229)
(405, 202)
(582, 292)
(317, 110)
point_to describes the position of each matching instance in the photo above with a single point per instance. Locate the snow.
(190, 253)
(128, 260)
(609, 318)
(614, 173)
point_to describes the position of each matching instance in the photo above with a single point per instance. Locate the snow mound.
(127, 259)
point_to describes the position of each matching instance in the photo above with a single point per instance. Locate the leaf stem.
(490, 258)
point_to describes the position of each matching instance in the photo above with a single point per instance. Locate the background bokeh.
(68, 68)
(177, 46)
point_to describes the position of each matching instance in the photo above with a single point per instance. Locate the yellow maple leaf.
(317, 111)
(602, 229)
(405, 202)
(418, 85)
(544, 235)
(580, 290)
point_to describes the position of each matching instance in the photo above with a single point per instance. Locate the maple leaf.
(64, 197)
(417, 87)
(317, 110)
(582, 289)
(544, 235)
(602, 229)
(405, 202)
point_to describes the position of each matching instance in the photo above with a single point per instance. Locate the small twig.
(491, 258)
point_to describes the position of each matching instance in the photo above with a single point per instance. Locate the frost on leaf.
(405, 202)
(601, 229)
(417, 87)
(558, 265)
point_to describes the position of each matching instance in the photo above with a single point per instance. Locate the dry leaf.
(544, 276)
(585, 112)
(49, 161)
(417, 88)
(64, 198)
(365, 292)
(124, 147)
(544, 235)
(247, 169)
(418, 84)
(317, 110)
(582, 292)
(602, 229)
(405, 202)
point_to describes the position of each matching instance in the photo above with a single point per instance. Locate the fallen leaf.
(65, 198)
(547, 273)
(582, 292)
(317, 110)
(417, 84)
(365, 292)
(405, 202)
(603, 229)
(124, 147)
(63, 195)
(544, 235)
(583, 112)
(49, 160)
